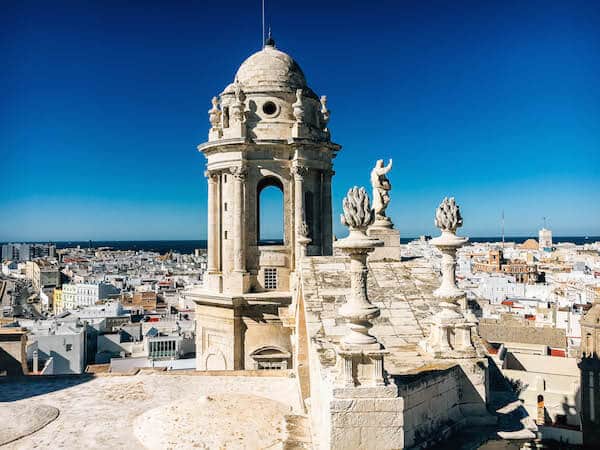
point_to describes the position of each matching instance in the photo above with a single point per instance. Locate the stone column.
(35, 362)
(358, 309)
(327, 235)
(239, 253)
(211, 238)
(299, 172)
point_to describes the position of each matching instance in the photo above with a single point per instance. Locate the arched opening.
(271, 357)
(270, 225)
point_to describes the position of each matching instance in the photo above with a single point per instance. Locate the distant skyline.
(494, 103)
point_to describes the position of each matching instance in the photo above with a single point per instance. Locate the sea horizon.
(187, 246)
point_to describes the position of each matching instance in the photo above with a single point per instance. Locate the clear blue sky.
(496, 103)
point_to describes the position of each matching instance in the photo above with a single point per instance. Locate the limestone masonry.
(381, 361)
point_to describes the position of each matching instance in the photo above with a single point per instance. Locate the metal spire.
(502, 229)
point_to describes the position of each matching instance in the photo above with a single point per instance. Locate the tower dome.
(268, 100)
(270, 69)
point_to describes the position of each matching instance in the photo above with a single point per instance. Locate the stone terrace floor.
(153, 410)
(403, 291)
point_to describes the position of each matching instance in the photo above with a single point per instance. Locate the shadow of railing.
(13, 388)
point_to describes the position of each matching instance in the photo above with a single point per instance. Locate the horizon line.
(46, 241)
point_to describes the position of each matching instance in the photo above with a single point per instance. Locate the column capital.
(211, 175)
(299, 171)
(329, 172)
(239, 172)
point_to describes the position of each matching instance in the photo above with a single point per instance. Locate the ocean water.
(188, 246)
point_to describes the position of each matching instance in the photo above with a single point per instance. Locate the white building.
(59, 347)
(499, 288)
(85, 294)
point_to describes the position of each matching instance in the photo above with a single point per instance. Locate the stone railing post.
(450, 335)
(358, 347)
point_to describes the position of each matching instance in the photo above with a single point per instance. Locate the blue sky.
(496, 103)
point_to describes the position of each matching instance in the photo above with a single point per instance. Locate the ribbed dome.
(270, 68)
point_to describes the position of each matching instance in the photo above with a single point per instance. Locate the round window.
(269, 108)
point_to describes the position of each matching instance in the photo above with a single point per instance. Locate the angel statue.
(381, 188)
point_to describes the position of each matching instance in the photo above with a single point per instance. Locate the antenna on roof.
(262, 38)
(544, 221)
(502, 229)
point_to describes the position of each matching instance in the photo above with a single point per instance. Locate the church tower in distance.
(268, 129)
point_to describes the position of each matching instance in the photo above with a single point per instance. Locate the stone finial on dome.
(324, 111)
(238, 111)
(298, 107)
(214, 117)
(214, 114)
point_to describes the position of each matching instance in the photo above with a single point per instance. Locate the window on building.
(270, 278)
(225, 234)
(269, 108)
(309, 213)
(226, 117)
(225, 206)
(69, 347)
(270, 222)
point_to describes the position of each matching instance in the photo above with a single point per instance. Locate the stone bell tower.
(268, 128)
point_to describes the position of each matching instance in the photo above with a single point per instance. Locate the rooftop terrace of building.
(151, 409)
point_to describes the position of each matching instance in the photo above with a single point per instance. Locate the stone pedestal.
(300, 130)
(214, 282)
(450, 335)
(361, 366)
(237, 283)
(391, 243)
(366, 416)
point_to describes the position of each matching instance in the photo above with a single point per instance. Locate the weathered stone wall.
(428, 408)
(367, 423)
(431, 406)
